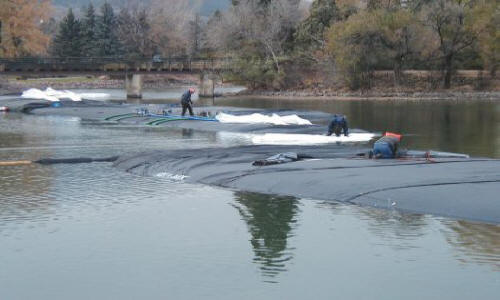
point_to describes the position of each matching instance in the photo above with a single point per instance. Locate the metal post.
(213, 92)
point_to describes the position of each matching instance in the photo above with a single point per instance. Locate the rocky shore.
(374, 95)
(417, 85)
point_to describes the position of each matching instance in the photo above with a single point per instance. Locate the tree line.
(135, 29)
(273, 42)
(132, 32)
(354, 38)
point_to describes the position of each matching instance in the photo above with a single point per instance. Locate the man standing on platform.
(186, 102)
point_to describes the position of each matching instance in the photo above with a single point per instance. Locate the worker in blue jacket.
(338, 125)
(387, 146)
(186, 102)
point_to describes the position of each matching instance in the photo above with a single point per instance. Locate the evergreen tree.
(310, 33)
(68, 42)
(88, 32)
(106, 40)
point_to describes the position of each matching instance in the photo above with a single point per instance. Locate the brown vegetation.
(21, 33)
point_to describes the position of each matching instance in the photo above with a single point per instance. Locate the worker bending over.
(337, 125)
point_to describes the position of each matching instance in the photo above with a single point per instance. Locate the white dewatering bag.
(308, 139)
(231, 138)
(54, 95)
(257, 118)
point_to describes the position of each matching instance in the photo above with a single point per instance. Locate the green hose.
(129, 117)
(153, 121)
(161, 121)
(117, 116)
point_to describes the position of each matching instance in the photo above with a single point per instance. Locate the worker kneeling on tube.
(387, 146)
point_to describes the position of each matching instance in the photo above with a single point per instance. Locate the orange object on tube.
(391, 134)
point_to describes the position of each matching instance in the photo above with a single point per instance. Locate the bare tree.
(134, 31)
(447, 19)
(170, 20)
(265, 27)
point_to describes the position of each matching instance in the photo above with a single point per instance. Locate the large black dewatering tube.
(27, 108)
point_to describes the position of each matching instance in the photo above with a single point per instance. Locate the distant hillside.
(207, 8)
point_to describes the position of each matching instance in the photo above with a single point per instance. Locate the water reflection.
(271, 221)
(187, 133)
(394, 228)
(24, 192)
(477, 243)
(23, 189)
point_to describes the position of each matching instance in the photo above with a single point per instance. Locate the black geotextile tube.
(77, 160)
(27, 108)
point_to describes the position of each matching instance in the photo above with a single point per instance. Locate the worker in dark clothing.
(186, 102)
(337, 125)
(387, 146)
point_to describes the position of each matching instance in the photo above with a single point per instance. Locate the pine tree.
(68, 42)
(107, 43)
(310, 33)
(88, 32)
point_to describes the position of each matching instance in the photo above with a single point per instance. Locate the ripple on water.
(35, 193)
(282, 231)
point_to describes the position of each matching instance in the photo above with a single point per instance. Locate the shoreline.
(375, 96)
(15, 87)
(295, 96)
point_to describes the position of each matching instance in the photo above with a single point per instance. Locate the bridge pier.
(207, 85)
(133, 84)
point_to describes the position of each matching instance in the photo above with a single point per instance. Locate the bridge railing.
(115, 63)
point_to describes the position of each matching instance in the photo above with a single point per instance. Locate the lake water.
(92, 232)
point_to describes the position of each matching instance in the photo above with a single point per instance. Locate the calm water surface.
(92, 232)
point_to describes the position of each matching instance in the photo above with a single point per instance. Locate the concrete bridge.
(132, 69)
